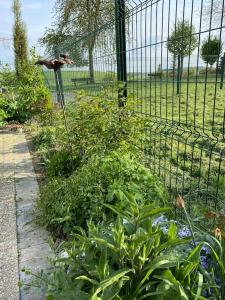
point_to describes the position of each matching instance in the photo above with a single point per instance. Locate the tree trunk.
(181, 67)
(179, 73)
(91, 64)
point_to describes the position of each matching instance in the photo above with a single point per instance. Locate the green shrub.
(67, 202)
(98, 125)
(2, 113)
(25, 95)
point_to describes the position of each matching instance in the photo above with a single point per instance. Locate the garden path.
(22, 244)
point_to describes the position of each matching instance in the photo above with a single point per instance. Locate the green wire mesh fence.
(167, 56)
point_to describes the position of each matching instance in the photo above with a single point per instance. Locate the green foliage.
(127, 256)
(98, 126)
(58, 162)
(2, 113)
(25, 95)
(134, 258)
(61, 164)
(44, 138)
(67, 202)
(19, 39)
(181, 41)
(129, 259)
(211, 50)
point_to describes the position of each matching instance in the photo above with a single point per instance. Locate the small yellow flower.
(180, 203)
(218, 234)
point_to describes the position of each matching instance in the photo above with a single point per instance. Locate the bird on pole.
(55, 64)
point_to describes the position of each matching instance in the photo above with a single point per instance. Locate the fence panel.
(172, 52)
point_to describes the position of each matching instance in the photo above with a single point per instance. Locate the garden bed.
(118, 236)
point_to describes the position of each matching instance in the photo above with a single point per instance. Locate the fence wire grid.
(155, 48)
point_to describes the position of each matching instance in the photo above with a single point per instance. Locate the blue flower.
(184, 232)
(159, 220)
(205, 262)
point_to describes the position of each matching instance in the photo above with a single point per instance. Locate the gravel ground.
(22, 244)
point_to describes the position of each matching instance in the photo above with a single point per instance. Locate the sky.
(37, 14)
(151, 25)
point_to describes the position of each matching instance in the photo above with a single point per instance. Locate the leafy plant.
(61, 163)
(98, 125)
(26, 95)
(72, 201)
(45, 138)
(128, 259)
(212, 262)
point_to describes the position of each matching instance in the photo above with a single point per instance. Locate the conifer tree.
(19, 39)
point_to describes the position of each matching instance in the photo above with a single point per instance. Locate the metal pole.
(58, 76)
(222, 71)
(57, 88)
(178, 75)
(121, 51)
(62, 103)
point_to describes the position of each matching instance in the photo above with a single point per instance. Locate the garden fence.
(160, 54)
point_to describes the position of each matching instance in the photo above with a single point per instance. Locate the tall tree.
(55, 39)
(211, 50)
(182, 43)
(81, 19)
(19, 38)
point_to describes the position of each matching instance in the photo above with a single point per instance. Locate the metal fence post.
(179, 75)
(121, 51)
(222, 71)
(57, 88)
(59, 83)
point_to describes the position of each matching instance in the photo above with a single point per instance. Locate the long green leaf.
(105, 243)
(155, 264)
(169, 278)
(109, 281)
(200, 284)
(94, 282)
(151, 294)
(111, 291)
(115, 210)
(173, 243)
(153, 212)
(103, 264)
(172, 234)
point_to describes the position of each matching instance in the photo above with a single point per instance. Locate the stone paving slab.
(32, 241)
(32, 237)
